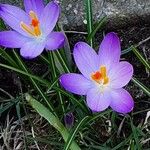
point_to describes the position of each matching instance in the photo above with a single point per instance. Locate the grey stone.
(119, 12)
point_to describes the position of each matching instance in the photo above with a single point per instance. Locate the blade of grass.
(50, 86)
(61, 60)
(6, 56)
(99, 25)
(66, 49)
(45, 82)
(141, 86)
(125, 51)
(6, 93)
(51, 56)
(88, 9)
(140, 57)
(84, 108)
(52, 119)
(75, 131)
(8, 106)
(40, 91)
(135, 135)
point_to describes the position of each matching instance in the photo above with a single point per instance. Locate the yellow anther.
(37, 31)
(103, 71)
(33, 15)
(27, 28)
(100, 76)
(34, 28)
(106, 80)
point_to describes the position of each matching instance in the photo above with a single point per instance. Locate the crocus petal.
(120, 74)
(55, 40)
(13, 16)
(86, 59)
(122, 101)
(12, 39)
(35, 5)
(110, 50)
(75, 83)
(32, 49)
(49, 17)
(98, 101)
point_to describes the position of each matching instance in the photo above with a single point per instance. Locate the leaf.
(141, 85)
(51, 118)
(141, 58)
(75, 131)
(89, 14)
(96, 28)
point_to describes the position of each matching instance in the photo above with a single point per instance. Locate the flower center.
(34, 28)
(100, 76)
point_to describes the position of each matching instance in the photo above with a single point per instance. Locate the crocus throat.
(100, 76)
(34, 28)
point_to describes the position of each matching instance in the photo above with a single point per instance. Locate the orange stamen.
(27, 28)
(35, 23)
(106, 80)
(103, 71)
(33, 15)
(34, 28)
(100, 76)
(96, 76)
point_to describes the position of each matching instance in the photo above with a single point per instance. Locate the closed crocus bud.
(69, 120)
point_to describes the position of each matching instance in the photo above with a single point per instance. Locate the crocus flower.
(69, 120)
(33, 28)
(103, 76)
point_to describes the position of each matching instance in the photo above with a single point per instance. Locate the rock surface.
(119, 12)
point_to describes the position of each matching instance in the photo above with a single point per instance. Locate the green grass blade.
(141, 86)
(140, 57)
(38, 88)
(135, 136)
(52, 119)
(45, 82)
(75, 131)
(8, 106)
(62, 62)
(73, 99)
(55, 76)
(101, 23)
(88, 9)
(7, 57)
(125, 51)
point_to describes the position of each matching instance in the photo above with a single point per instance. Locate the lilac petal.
(75, 83)
(49, 17)
(55, 40)
(35, 5)
(12, 39)
(32, 49)
(110, 50)
(122, 101)
(98, 101)
(13, 16)
(120, 74)
(86, 59)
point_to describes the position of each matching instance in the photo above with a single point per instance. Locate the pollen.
(35, 23)
(96, 76)
(100, 76)
(34, 27)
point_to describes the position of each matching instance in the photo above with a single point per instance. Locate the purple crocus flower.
(103, 76)
(33, 29)
(69, 120)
